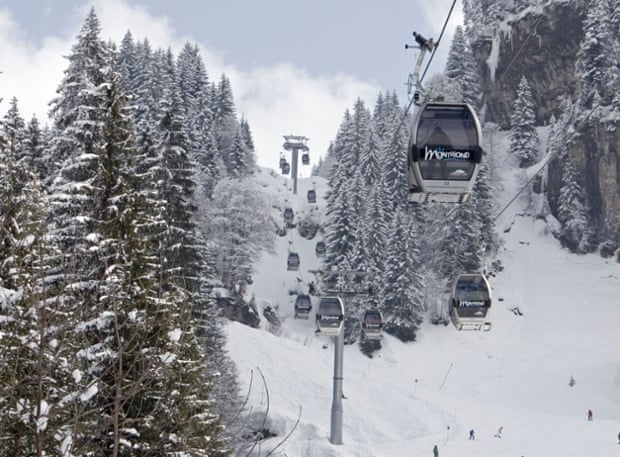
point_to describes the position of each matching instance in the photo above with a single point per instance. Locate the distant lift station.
(295, 144)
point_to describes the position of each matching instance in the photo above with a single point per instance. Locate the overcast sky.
(295, 66)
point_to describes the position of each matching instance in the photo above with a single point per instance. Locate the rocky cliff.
(541, 43)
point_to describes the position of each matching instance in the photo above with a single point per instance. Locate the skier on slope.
(435, 451)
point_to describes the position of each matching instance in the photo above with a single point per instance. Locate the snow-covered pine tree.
(473, 15)
(247, 133)
(35, 145)
(461, 69)
(198, 102)
(238, 229)
(176, 185)
(393, 156)
(125, 64)
(341, 220)
(523, 136)
(572, 213)
(239, 155)
(225, 120)
(402, 301)
(375, 229)
(597, 58)
(358, 138)
(339, 214)
(79, 90)
(131, 294)
(482, 201)
(33, 369)
(370, 166)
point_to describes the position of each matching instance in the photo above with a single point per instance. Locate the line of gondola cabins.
(329, 317)
(285, 167)
(444, 156)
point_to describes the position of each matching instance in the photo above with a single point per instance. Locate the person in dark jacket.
(435, 451)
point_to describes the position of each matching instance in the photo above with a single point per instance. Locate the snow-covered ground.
(409, 397)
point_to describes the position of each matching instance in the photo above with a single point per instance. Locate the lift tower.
(344, 284)
(295, 143)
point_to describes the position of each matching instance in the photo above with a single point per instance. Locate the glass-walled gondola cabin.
(470, 302)
(444, 153)
(330, 316)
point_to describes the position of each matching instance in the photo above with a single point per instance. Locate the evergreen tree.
(133, 272)
(341, 222)
(176, 186)
(35, 145)
(358, 138)
(393, 155)
(597, 64)
(571, 210)
(226, 125)
(482, 202)
(33, 368)
(523, 136)
(79, 89)
(340, 215)
(238, 155)
(402, 303)
(200, 119)
(238, 230)
(461, 68)
(375, 230)
(370, 166)
(125, 65)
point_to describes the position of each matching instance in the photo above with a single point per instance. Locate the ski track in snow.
(409, 397)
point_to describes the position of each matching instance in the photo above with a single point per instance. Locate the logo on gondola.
(468, 303)
(440, 153)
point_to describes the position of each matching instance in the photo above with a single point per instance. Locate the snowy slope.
(412, 396)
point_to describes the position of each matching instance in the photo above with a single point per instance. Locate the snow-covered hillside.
(409, 397)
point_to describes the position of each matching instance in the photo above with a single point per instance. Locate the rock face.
(596, 151)
(542, 44)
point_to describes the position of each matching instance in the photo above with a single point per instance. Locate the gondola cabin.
(303, 306)
(470, 302)
(292, 262)
(288, 216)
(305, 158)
(330, 316)
(320, 248)
(311, 196)
(286, 168)
(372, 324)
(282, 162)
(444, 153)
